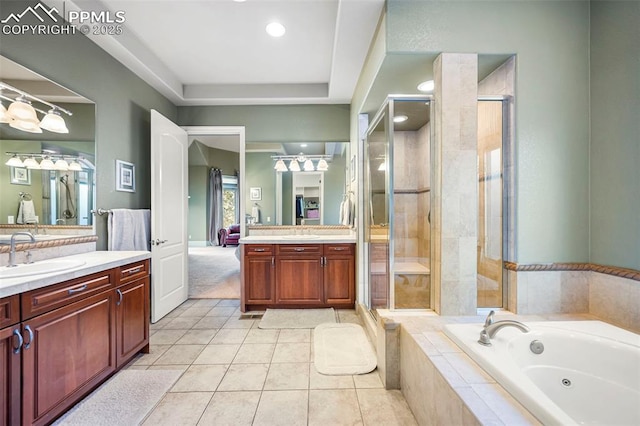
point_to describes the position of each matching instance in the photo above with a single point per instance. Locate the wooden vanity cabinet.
(298, 276)
(10, 366)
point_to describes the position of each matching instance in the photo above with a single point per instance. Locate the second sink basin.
(42, 267)
(300, 237)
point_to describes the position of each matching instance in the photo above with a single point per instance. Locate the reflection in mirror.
(33, 189)
(291, 197)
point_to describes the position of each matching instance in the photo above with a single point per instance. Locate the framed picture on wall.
(125, 176)
(255, 194)
(20, 176)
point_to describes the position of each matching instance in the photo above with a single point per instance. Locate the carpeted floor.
(214, 273)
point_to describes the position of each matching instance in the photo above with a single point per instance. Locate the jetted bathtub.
(587, 373)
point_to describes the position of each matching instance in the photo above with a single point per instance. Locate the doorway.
(214, 270)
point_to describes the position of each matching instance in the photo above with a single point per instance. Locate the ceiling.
(217, 52)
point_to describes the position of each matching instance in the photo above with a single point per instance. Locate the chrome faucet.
(491, 328)
(12, 252)
(35, 225)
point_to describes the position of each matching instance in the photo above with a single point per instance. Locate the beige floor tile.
(197, 337)
(286, 408)
(166, 337)
(292, 352)
(210, 322)
(257, 335)
(136, 367)
(229, 302)
(155, 351)
(221, 311)
(173, 314)
(334, 407)
(180, 354)
(320, 381)
(368, 381)
(195, 312)
(255, 353)
(349, 316)
(229, 335)
(244, 377)
(181, 323)
(204, 303)
(173, 367)
(233, 322)
(217, 354)
(288, 335)
(200, 378)
(231, 409)
(179, 409)
(383, 407)
(287, 376)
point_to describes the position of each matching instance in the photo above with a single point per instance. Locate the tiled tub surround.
(610, 294)
(443, 385)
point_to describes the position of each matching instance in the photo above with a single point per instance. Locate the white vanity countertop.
(95, 261)
(298, 239)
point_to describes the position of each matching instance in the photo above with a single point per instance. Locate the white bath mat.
(342, 349)
(125, 399)
(296, 318)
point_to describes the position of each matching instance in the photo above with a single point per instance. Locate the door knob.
(157, 242)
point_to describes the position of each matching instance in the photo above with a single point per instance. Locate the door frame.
(227, 131)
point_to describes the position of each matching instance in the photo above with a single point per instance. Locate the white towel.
(26, 212)
(346, 213)
(129, 230)
(255, 214)
(341, 220)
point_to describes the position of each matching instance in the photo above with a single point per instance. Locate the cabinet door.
(9, 377)
(132, 319)
(259, 279)
(339, 279)
(67, 352)
(299, 280)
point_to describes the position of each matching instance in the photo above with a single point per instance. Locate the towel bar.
(101, 212)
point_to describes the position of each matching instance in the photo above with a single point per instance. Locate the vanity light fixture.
(49, 161)
(275, 29)
(61, 164)
(427, 86)
(294, 166)
(15, 161)
(280, 166)
(47, 164)
(31, 163)
(21, 114)
(75, 166)
(322, 165)
(400, 118)
(305, 160)
(308, 166)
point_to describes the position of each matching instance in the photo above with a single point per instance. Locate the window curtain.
(237, 174)
(216, 208)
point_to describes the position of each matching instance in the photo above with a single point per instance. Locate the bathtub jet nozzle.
(491, 328)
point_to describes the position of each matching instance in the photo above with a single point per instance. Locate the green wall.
(274, 123)
(259, 173)
(551, 41)
(615, 133)
(227, 161)
(122, 99)
(198, 178)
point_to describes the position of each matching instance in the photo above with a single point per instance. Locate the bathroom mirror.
(280, 203)
(60, 197)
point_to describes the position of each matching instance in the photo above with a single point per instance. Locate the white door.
(169, 204)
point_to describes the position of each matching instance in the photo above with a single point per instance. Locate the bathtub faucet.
(491, 328)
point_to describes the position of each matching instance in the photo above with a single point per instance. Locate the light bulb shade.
(61, 164)
(47, 164)
(15, 161)
(4, 115)
(53, 122)
(75, 166)
(294, 166)
(26, 125)
(31, 163)
(280, 166)
(308, 166)
(322, 165)
(21, 109)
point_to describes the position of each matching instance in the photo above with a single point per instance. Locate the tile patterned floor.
(237, 374)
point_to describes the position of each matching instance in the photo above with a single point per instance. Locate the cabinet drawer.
(330, 249)
(44, 299)
(293, 249)
(9, 311)
(258, 249)
(133, 271)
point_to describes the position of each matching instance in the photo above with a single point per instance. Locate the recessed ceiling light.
(426, 86)
(239, 1)
(304, 145)
(275, 29)
(400, 118)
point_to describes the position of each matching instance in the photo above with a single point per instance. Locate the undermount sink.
(300, 237)
(42, 267)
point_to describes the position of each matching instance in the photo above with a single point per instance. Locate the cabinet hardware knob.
(119, 293)
(16, 333)
(134, 271)
(259, 249)
(273, 261)
(299, 249)
(77, 290)
(339, 248)
(27, 345)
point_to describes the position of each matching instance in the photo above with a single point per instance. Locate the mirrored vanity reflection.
(47, 175)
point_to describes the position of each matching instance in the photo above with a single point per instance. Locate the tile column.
(455, 183)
